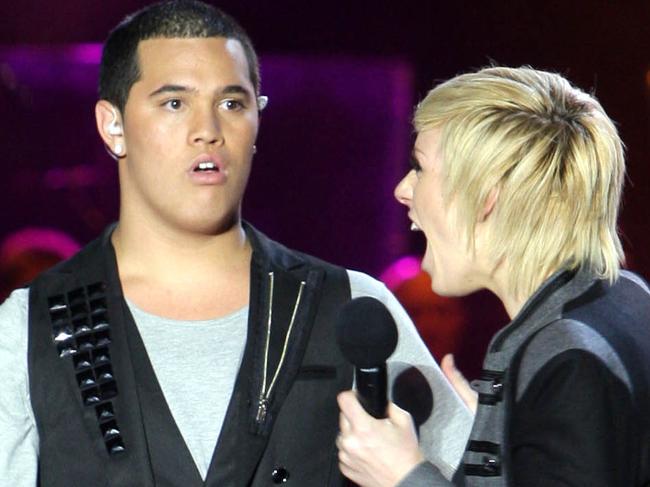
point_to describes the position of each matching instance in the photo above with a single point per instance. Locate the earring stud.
(262, 101)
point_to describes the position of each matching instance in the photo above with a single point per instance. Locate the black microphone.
(367, 336)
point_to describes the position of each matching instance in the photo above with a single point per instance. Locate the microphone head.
(366, 332)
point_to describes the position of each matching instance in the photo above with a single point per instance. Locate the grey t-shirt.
(442, 436)
(196, 364)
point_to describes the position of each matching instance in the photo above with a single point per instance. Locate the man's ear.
(490, 203)
(109, 126)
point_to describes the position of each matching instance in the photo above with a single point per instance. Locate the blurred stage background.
(343, 78)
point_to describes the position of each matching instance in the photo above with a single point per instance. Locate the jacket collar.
(268, 253)
(546, 303)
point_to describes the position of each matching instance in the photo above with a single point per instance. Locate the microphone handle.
(371, 386)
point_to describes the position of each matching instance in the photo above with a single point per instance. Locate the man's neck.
(179, 274)
(160, 251)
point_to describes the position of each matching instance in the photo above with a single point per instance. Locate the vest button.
(279, 475)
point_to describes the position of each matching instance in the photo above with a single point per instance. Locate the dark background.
(343, 78)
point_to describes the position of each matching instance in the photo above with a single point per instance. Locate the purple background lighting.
(330, 150)
(342, 78)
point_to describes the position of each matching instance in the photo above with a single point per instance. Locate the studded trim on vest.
(81, 332)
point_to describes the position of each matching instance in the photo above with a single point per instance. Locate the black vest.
(101, 415)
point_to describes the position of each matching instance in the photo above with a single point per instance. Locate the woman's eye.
(232, 105)
(174, 104)
(415, 165)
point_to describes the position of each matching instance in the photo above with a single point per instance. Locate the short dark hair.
(119, 68)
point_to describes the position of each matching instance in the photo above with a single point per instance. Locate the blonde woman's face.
(447, 260)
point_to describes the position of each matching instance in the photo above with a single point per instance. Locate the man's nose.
(206, 128)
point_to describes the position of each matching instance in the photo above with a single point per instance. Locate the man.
(183, 347)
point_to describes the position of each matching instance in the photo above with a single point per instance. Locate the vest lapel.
(78, 299)
(170, 458)
(245, 431)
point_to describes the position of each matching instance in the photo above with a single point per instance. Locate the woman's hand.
(375, 452)
(459, 383)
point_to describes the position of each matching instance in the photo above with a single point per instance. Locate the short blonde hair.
(555, 158)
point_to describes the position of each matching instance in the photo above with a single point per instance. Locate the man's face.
(189, 124)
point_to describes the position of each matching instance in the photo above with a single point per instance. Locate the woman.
(516, 184)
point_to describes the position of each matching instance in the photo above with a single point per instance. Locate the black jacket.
(565, 392)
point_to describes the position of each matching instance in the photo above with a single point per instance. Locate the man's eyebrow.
(228, 90)
(171, 89)
(235, 89)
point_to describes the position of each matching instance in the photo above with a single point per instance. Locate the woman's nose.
(404, 189)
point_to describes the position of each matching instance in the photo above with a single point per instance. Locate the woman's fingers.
(459, 383)
(375, 452)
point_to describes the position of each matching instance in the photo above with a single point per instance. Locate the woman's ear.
(109, 126)
(490, 203)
